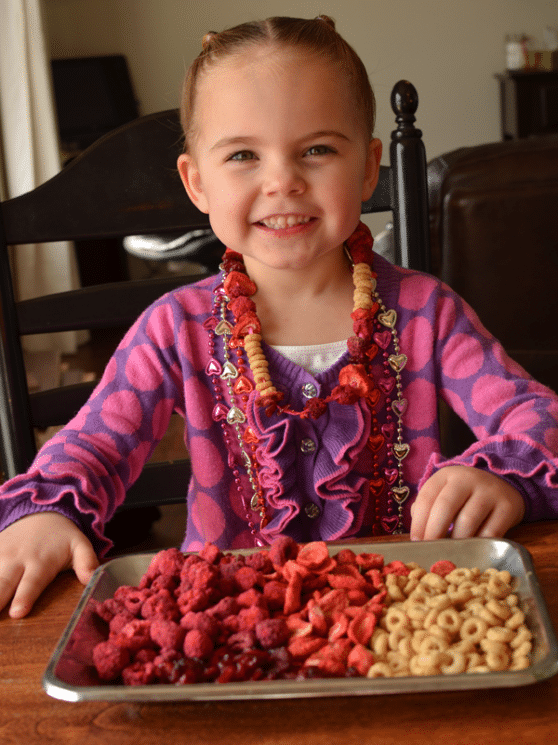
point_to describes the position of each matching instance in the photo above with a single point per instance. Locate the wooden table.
(523, 716)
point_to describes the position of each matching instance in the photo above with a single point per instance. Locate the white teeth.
(278, 222)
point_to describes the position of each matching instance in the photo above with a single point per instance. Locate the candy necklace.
(374, 331)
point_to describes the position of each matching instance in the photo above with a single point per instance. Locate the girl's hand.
(33, 551)
(477, 502)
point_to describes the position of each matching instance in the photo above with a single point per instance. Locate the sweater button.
(312, 510)
(309, 390)
(307, 445)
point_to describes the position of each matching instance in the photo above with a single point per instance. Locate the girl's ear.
(191, 178)
(372, 169)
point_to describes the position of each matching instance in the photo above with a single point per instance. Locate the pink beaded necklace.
(373, 334)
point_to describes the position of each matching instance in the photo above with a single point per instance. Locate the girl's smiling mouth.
(280, 222)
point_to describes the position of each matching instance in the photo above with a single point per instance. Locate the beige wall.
(449, 49)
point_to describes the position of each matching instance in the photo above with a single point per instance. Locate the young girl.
(308, 370)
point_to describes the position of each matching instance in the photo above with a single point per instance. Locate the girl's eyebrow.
(249, 140)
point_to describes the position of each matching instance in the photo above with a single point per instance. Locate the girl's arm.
(52, 517)
(511, 472)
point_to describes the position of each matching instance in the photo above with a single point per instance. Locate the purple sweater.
(160, 368)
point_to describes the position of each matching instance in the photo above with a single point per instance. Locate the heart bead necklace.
(374, 328)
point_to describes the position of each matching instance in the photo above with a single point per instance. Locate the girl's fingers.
(33, 581)
(84, 560)
(8, 583)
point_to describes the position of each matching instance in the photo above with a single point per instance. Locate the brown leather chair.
(494, 239)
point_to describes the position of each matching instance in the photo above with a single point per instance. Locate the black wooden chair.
(126, 184)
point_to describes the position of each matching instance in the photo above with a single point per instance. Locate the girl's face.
(280, 160)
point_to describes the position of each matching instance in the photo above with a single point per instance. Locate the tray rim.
(541, 670)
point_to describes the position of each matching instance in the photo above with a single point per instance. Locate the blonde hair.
(315, 36)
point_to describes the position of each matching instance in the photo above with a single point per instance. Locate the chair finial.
(404, 103)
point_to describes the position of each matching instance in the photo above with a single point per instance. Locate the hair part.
(314, 36)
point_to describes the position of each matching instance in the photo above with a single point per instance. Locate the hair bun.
(326, 19)
(208, 39)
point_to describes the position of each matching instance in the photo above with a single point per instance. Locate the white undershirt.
(314, 358)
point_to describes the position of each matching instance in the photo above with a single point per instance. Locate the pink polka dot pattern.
(143, 369)
(522, 418)
(455, 402)
(416, 291)
(82, 455)
(121, 412)
(161, 416)
(417, 338)
(414, 462)
(199, 414)
(104, 443)
(159, 327)
(490, 392)
(208, 462)
(208, 517)
(462, 357)
(446, 315)
(417, 415)
(137, 458)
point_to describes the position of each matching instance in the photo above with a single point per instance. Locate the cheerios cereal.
(465, 621)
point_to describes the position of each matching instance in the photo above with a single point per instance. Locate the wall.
(449, 49)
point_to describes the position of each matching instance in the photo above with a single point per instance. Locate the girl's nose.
(283, 178)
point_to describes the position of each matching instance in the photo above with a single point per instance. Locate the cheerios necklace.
(374, 330)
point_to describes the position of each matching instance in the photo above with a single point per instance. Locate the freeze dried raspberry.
(249, 617)
(109, 608)
(283, 549)
(196, 599)
(168, 562)
(260, 561)
(251, 597)
(110, 659)
(134, 635)
(160, 605)
(242, 641)
(274, 593)
(197, 644)
(202, 575)
(227, 606)
(442, 567)
(167, 634)
(139, 674)
(118, 622)
(272, 632)
(201, 621)
(210, 553)
(246, 578)
(145, 655)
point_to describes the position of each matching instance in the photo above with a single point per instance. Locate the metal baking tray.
(70, 675)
